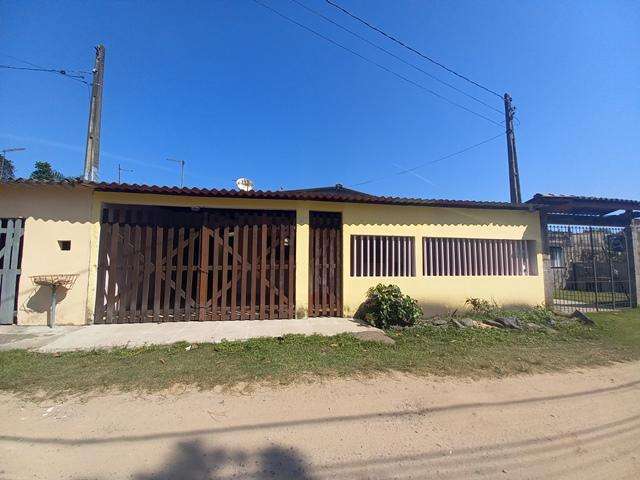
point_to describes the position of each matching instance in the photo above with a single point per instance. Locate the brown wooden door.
(247, 269)
(161, 265)
(325, 264)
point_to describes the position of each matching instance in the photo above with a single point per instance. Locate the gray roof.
(582, 205)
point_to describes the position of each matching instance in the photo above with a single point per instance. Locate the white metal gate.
(11, 232)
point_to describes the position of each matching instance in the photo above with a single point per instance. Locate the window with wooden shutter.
(382, 256)
(478, 257)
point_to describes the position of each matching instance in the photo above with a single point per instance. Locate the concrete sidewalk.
(58, 339)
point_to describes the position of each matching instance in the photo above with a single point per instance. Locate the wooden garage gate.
(162, 264)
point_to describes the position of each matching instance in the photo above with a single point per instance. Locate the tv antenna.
(120, 170)
(181, 163)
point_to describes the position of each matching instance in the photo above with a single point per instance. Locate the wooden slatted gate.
(325, 264)
(160, 264)
(11, 233)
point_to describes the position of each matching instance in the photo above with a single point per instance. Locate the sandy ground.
(582, 425)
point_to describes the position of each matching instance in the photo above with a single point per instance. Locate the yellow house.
(142, 253)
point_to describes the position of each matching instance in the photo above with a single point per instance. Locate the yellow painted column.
(302, 261)
(347, 310)
(94, 246)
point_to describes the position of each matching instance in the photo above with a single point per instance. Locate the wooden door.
(325, 264)
(160, 264)
(147, 265)
(11, 231)
(247, 269)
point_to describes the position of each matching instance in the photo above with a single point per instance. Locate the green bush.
(386, 306)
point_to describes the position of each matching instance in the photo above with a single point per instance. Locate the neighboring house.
(146, 253)
(580, 256)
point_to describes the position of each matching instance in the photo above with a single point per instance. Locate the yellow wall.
(439, 294)
(51, 213)
(64, 213)
(435, 294)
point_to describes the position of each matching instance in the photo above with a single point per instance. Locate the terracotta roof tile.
(328, 194)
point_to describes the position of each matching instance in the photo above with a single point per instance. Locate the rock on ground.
(583, 318)
(374, 336)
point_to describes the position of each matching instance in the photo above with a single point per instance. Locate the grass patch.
(590, 297)
(421, 350)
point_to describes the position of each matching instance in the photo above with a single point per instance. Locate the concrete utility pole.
(514, 176)
(92, 156)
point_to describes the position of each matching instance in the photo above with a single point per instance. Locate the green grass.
(421, 350)
(589, 297)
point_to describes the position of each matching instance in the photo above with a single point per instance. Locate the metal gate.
(11, 233)
(591, 267)
(325, 264)
(172, 264)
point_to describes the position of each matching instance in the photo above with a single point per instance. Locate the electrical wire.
(414, 50)
(21, 60)
(61, 72)
(382, 49)
(380, 66)
(76, 75)
(439, 159)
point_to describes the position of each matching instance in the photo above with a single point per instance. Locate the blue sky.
(237, 91)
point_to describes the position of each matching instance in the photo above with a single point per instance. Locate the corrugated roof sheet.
(324, 194)
(582, 205)
(539, 198)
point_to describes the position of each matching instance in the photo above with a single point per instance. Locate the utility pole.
(514, 176)
(3, 156)
(181, 163)
(92, 156)
(120, 170)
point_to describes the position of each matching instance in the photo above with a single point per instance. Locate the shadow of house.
(191, 461)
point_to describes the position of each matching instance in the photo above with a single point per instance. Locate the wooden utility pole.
(92, 156)
(514, 176)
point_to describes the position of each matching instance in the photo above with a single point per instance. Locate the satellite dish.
(244, 184)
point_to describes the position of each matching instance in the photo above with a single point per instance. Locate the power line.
(440, 159)
(382, 49)
(26, 62)
(382, 67)
(76, 75)
(408, 47)
(52, 70)
(78, 78)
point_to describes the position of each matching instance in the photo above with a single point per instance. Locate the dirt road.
(578, 425)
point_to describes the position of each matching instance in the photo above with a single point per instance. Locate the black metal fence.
(591, 267)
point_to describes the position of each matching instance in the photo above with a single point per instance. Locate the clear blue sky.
(237, 91)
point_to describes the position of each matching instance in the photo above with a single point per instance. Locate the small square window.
(64, 244)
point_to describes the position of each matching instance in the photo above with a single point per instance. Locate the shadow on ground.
(575, 453)
(192, 460)
(563, 453)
